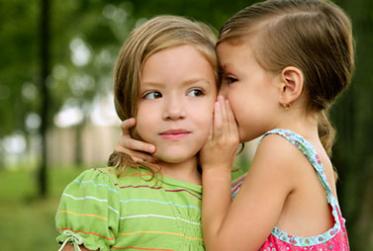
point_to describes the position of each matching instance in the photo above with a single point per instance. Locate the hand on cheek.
(139, 151)
(221, 146)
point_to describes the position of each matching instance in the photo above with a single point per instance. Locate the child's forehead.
(184, 83)
(242, 42)
(230, 53)
(178, 53)
(184, 64)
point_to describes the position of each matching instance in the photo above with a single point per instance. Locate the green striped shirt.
(104, 212)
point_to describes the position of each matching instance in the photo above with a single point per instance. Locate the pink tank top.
(334, 238)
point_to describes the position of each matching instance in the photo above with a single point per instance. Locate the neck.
(306, 124)
(184, 171)
(301, 122)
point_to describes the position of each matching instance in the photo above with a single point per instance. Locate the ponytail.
(326, 132)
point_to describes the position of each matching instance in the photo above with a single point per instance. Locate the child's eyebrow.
(195, 81)
(185, 83)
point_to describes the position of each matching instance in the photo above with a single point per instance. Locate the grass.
(27, 223)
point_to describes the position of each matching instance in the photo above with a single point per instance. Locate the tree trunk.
(79, 128)
(44, 95)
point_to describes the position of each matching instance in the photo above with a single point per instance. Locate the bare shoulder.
(276, 144)
(277, 150)
(278, 157)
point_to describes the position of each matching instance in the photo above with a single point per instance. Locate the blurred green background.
(57, 116)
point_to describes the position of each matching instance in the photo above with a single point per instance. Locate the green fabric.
(130, 212)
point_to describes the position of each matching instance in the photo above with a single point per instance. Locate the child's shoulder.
(111, 175)
(105, 174)
(275, 145)
(94, 180)
(277, 153)
(89, 206)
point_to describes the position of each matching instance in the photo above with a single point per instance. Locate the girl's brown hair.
(312, 35)
(159, 33)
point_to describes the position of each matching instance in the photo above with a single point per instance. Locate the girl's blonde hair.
(312, 35)
(156, 34)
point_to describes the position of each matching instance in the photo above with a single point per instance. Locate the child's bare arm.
(245, 223)
(249, 219)
(217, 157)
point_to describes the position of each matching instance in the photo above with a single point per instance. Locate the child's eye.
(195, 92)
(229, 80)
(152, 95)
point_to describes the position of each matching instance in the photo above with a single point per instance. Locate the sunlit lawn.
(27, 223)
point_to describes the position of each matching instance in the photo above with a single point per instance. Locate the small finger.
(135, 155)
(210, 137)
(144, 158)
(232, 120)
(217, 128)
(121, 149)
(126, 125)
(225, 122)
(136, 145)
(224, 113)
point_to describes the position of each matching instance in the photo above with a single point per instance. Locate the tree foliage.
(100, 27)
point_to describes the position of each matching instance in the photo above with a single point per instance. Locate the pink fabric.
(334, 239)
(338, 242)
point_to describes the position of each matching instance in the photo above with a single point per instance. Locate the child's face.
(251, 91)
(175, 106)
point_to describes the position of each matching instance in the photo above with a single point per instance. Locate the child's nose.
(174, 109)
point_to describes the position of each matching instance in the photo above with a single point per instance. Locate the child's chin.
(173, 158)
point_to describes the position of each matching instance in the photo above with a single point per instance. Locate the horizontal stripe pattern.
(99, 217)
(192, 238)
(131, 212)
(157, 216)
(84, 197)
(161, 188)
(166, 203)
(87, 233)
(90, 197)
(92, 182)
(141, 248)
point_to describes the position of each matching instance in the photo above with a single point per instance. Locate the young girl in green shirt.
(166, 78)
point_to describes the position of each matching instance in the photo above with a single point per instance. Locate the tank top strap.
(309, 152)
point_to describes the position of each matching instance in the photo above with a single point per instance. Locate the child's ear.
(291, 85)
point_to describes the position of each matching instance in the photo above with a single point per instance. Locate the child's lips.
(175, 134)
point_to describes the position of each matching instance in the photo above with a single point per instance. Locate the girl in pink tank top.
(283, 63)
